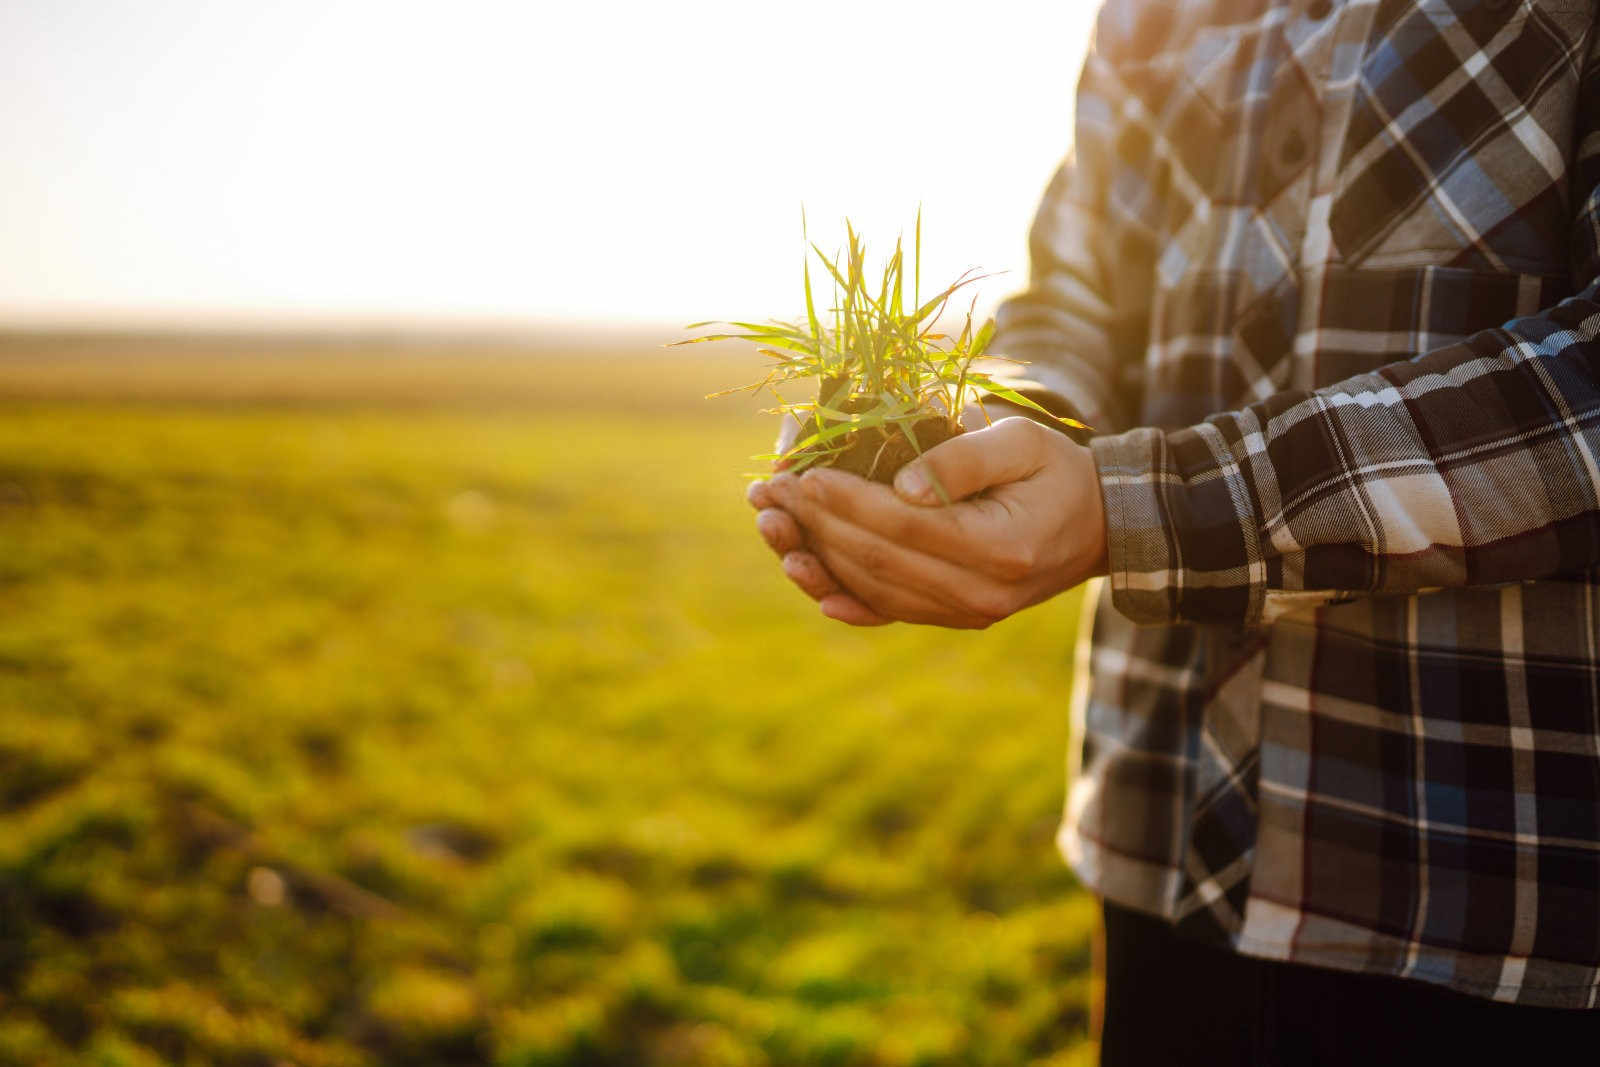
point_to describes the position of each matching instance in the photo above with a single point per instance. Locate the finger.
(902, 582)
(1009, 451)
(970, 533)
(758, 495)
(906, 604)
(778, 528)
(892, 579)
(847, 609)
(807, 572)
(813, 579)
(774, 490)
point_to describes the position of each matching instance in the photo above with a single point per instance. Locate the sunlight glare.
(339, 158)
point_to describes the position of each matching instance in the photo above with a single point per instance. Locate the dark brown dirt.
(878, 453)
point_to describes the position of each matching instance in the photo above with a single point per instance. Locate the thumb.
(968, 463)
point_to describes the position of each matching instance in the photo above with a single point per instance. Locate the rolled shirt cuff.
(1183, 541)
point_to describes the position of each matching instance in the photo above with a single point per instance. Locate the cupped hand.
(1025, 521)
(784, 536)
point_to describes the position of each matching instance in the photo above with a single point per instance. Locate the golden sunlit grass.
(620, 373)
(435, 735)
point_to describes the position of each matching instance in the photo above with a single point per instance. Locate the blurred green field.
(377, 733)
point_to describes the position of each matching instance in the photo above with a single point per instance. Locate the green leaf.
(831, 433)
(770, 329)
(916, 294)
(856, 418)
(897, 300)
(833, 268)
(755, 388)
(803, 346)
(869, 345)
(980, 343)
(994, 389)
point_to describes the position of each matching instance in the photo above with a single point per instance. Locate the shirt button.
(1319, 10)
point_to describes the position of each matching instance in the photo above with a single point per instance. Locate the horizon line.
(479, 328)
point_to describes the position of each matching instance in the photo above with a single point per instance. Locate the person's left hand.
(1024, 523)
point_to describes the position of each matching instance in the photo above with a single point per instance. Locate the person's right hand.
(784, 536)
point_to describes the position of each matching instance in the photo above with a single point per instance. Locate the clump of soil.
(877, 453)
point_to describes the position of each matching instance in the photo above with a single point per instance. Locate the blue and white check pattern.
(1327, 272)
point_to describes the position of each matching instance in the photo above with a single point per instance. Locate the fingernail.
(911, 483)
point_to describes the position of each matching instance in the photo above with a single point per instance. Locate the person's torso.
(1406, 784)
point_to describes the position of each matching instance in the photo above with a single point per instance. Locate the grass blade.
(879, 365)
(1000, 392)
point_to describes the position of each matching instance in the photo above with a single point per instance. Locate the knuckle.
(903, 528)
(822, 580)
(815, 586)
(783, 530)
(1014, 562)
(806, 574)
(1029, 433)
(781, 485)
(873, 558)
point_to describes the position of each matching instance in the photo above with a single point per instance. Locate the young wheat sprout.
(885, 372)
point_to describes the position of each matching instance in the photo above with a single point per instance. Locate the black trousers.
(1170, 1000)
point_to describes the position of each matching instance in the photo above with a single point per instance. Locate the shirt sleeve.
(1091, 255)
(1473, 464)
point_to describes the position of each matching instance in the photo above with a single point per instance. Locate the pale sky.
(324, 159)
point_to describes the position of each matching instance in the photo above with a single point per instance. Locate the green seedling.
(891, 382)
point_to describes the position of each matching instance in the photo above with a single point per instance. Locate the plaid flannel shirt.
(1330, 268)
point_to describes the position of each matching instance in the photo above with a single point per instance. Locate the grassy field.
(364, 723)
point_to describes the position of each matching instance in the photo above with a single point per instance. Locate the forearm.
(1474, 464)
